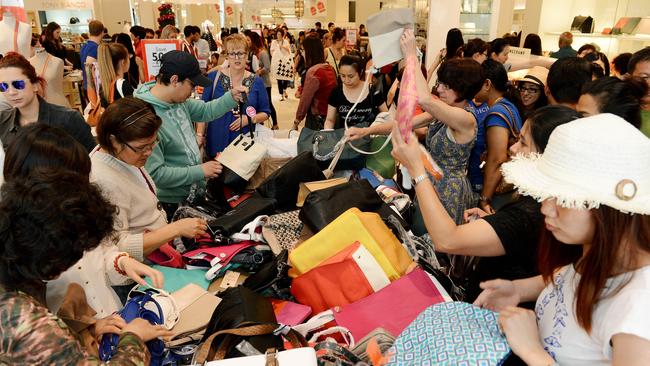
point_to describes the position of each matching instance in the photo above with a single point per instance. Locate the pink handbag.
(387, 307)
(290, 313)
(214, 258)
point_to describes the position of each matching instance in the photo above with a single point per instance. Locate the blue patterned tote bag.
(451, 333)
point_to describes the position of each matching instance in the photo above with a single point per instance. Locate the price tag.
(229, 279)
(154, 49)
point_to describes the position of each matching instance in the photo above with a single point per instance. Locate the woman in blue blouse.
(225, 129)
(502, 124)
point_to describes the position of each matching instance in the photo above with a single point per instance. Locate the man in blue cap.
(176, 163)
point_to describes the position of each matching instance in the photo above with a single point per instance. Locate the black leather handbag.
(235, 219)
(272, 279)
(241, 307)
(283, 185)
(323, 206)
(583, 24)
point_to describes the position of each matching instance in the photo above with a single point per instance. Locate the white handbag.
(305, 356)
(279, 144)
(244, 155)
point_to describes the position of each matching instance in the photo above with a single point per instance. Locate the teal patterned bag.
(451, 333)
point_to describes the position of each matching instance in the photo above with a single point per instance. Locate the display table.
(72, 89)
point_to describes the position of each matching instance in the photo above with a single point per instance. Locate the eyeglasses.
(236, 55)
(17, 84)
(644, 77)
(526, 89)
(442, 85)
(143, 149)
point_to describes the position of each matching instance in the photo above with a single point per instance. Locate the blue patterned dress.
(454, 189)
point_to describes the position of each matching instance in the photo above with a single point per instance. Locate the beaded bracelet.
(116, 261)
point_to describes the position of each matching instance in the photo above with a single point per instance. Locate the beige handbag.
(196, 307)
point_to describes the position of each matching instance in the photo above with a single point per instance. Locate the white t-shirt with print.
(628, 311)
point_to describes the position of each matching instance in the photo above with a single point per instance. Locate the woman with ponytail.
(113, 60)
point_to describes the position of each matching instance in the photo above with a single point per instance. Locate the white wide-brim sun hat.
(592, 161)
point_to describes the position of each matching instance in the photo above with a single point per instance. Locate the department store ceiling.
(257, 3)
(263, 6)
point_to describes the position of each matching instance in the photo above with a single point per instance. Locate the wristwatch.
(419, 179)
(485, 199)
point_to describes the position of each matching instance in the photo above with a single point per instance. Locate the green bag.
(176, 278)
(382, 162)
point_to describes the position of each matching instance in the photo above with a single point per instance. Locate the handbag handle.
(206, 351)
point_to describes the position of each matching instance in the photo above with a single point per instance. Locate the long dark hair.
(48, 33)
(611, 248)
(534, 43)
(257, 45)
(314, 53)
(453, 43)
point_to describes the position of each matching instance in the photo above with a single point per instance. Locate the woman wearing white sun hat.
(594, 292)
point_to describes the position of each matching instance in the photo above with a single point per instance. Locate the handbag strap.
(344, 332)
(336, 64)
(206, 351)
(331, 353)
(249, 231)
(512, 126)
(345, 122)
(316, 322)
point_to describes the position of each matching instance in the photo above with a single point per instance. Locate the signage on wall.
(351, 37)
(66, 4)
(316, 7)
(154, 49)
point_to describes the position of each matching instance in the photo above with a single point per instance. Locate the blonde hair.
(108, 58)
(167, 31)
(234, 40)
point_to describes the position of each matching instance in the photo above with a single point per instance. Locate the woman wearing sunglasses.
(23, 89)
(531, 89)
(127, 133)
(226, 128)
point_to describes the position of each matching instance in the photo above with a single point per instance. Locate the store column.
(443, 15)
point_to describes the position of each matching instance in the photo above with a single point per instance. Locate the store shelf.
(622, 37)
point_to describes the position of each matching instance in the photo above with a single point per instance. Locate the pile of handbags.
(306, 270)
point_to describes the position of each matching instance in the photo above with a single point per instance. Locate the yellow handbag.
(353, 225)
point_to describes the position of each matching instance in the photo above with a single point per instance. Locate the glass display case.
(476, 19)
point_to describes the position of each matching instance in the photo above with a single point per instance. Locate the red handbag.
(348, 276)
(167, 256)
(388, 309)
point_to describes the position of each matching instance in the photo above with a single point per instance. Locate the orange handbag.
(348, 276)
